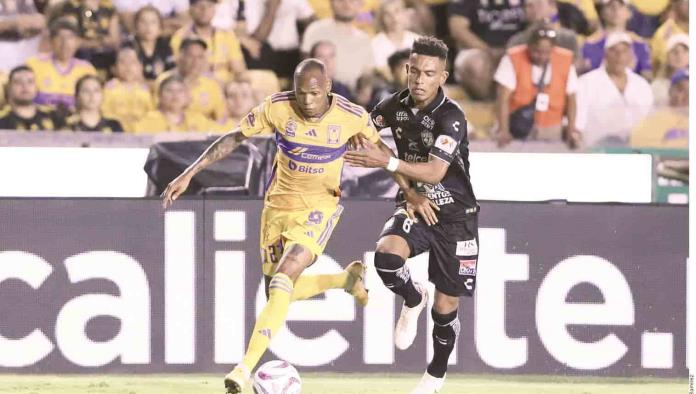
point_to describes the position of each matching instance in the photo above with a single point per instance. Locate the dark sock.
(394, 273)
(445, 332)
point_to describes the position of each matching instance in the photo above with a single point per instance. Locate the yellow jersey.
(206, 94)
(57, 86)
(308, 164)
(126, 103)
(365, 20)
(223, 48)
(156, 122)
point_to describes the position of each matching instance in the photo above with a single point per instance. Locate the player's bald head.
(309, 69)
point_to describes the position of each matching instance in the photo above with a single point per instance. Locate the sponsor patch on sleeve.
(467, 248)
(446, 144)
(467, 267)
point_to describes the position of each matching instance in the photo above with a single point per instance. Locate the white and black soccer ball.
(277, 377)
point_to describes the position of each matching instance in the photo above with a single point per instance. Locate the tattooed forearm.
(219, 149)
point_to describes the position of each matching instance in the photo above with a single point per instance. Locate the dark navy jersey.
(440, 130)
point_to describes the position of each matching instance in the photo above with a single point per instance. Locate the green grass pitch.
(321, 383)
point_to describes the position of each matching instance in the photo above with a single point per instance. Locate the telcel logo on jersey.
(304, 169)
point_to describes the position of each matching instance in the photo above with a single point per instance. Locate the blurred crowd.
(587, 73)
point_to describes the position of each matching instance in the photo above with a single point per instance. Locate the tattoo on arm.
(219, 149)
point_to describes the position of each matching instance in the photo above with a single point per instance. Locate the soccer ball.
(277, 377)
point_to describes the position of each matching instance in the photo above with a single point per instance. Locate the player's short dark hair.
(309, 65)
(430, 46)
(189, 41)
(397, 57)
(62, 24)
(17, 70)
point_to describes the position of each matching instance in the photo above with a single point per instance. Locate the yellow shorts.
(310, 228)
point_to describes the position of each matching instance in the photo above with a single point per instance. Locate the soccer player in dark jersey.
(430, 132)
(21, 113)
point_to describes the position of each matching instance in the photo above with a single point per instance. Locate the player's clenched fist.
(174, 190)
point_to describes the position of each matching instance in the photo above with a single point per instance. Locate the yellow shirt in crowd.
(57, 86)
(156, 122)
(666, 128)
(658, 45)
(223, 48)
(207, 98)
(126, 103)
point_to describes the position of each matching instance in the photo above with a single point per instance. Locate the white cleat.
(407, 326)
(429, 384)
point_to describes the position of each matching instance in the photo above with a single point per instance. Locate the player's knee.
(446, 328)
(391, 269)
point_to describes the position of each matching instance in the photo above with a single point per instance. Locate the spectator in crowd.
(353, 49)
(481, 29)
(392, 24)
(230, 15)
(668, 127)
(518, 76)
(397, 69)
(239, 97)
(22, 113)
(573, 18)
(58, 71)
(172, 113)
(127, 97)
(20, 29)
(677, 59)
(615, 16)
(612, 99)
(98, 26)
(273, 24)
(153, 49)
(678, 23)
(364, 18)
(174, 13)
(543, 12)
(88, 115)
(206, 94)
(326, 52)
(224, 52)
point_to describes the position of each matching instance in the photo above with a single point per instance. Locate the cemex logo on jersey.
(446, 144)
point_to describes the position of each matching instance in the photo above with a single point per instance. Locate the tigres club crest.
(290, 128)
(427, 137)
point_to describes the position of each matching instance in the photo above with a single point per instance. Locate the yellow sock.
(271, 319)
(307, 286)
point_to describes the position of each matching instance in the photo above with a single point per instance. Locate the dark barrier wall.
(120, 286)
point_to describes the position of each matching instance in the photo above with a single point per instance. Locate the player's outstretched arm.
(216, 151)
(371, 156)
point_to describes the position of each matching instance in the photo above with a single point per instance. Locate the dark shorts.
(453, 250)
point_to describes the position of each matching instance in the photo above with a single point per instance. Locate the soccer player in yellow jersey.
(312, 129)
